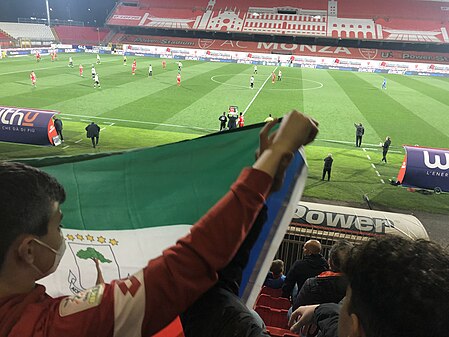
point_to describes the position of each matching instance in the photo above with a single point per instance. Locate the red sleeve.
(185, 271)
(150, 299)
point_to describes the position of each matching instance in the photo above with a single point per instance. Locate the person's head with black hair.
(338, 254)
(397, 287)
(32, 243)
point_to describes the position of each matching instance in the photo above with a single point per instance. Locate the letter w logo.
(437, 163)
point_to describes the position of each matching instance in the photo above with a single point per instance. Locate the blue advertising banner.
(426, 168)
(27, 126)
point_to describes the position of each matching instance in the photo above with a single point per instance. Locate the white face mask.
(58, 256)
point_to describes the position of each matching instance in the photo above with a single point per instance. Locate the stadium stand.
(271, 292)
(273, 302)
(273, 317)
(278, 332)
(30, 31)
(83, 35)
(273, 310)
(383, 20)
(5, 40)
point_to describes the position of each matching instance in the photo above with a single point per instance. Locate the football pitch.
(140, 111)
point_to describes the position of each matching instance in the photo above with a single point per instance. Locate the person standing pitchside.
(58, 126)
(385, 147)
(93, 132)
(223, 121)
(359, 132)
(327, 167)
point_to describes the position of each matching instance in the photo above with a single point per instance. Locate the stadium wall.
(337, 58)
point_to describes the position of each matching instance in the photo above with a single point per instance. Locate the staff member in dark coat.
(327, 167)
(232, 121)
(385, 147)
(359, 132)
(58, 126)
(223, 121)
(93, 131)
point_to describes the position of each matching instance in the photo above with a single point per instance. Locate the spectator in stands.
(329, 286)
(397, 287)
(312, 265)
(275, 278)
(359, 132)
(58, 126)
(327, 167)
(93, 132)
(32, 245)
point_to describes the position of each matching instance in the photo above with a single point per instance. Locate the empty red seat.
(273, 302)
(273, 317)
(278, 332)
(272, 292)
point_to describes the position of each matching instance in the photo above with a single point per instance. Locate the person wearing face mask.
(32, 246)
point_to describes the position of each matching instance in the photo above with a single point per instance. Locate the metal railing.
(53, 22)
(291, 248)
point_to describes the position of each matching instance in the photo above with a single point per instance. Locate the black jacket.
(328, 163)
(386, 144)
(93, 130)
(222, 119)
(322, 289)
(232, 121)
(310, 266)
(58, 124)
(326, 318)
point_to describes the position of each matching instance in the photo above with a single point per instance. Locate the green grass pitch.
(138, 111)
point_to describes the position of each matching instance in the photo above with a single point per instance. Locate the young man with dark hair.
(32, 246)
(397, 287)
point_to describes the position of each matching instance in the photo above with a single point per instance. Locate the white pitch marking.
(383, 182)
(369, 158)
(378, 174)
(258, 91)
(374, 167)
(65, 147)
(144, 122)
(79, 140)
